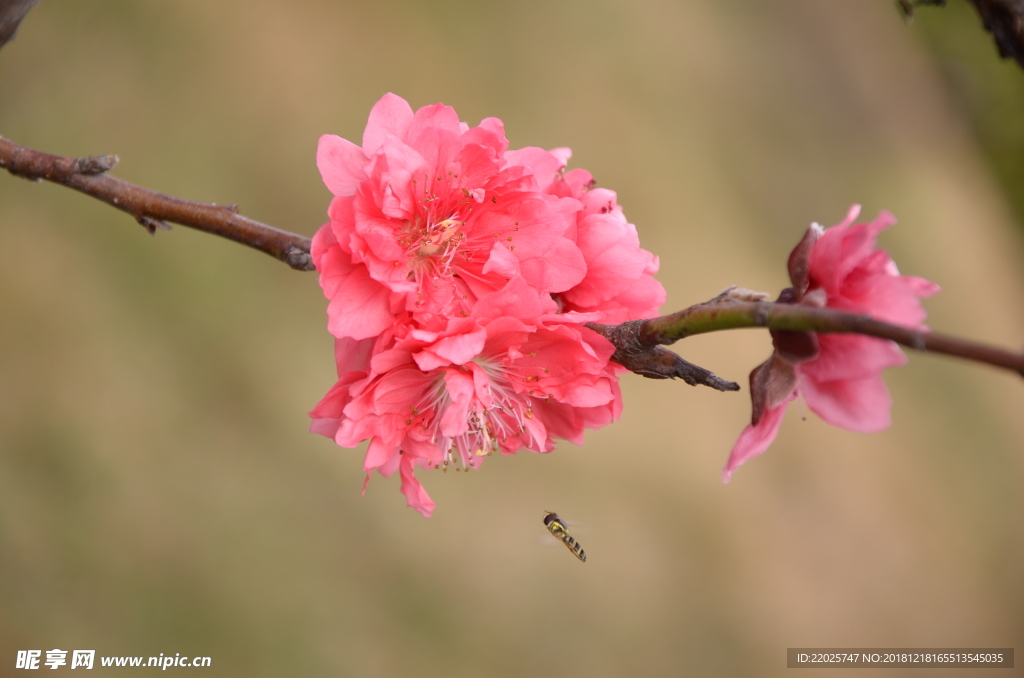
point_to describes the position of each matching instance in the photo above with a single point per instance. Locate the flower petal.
(416, 497)
(851, 356)
(755, 439)
(342, 164)
(391, 116)
(854, 404)
(359, 307)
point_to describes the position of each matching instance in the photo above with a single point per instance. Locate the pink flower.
(460, 276)
(839, 375)
(619, 282)
(428, 215)
(513, 374)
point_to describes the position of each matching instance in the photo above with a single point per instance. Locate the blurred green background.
(159, 491)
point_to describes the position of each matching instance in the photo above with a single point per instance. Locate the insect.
(561, 532)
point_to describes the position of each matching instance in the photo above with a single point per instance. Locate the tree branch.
(642, 338)
(652, 361)
(1004, 19)
(151, 209)
(638, 342)
(11, 14)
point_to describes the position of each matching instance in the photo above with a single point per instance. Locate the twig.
(638, 343)
(643, 337)
(652, 361)
(151, 209)
(1004, 19)
(11, 14)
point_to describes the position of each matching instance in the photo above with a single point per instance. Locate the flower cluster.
(839, 375)
(460, 276)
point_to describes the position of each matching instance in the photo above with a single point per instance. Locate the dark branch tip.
(11, 14)
(653, 361)
(299, 259)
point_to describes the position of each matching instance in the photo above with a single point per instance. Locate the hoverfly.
(557, 527)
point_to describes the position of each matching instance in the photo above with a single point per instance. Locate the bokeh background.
(159, 491)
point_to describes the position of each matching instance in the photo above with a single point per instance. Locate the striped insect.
(557, 527)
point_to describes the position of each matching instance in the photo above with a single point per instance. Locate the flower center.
(430, 249)
(439, 237)
(488, 426)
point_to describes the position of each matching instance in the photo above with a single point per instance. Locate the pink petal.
(457, 349)
(415, 495)
(461, 348)
(851, 215)
(613, 258)
(392, 115)
(854, 404)
(494, 128)
(390, 466)
(373, 242)
(359, 307)
(885, 297)
(328, 413)
(502, 262)
(342, 214)
(563, 153)
(436, 134)
(642, 299)
(556, 420)
(398, 389)
(387, 361)
(857, 245)
(351, 355)
(588, 395)
(377, 454)
(392, 172)
(921, 287)
(544, 165)
(601, 201)
(323, 240)
(476, 163)
(576, 183)
(460, 388)
(526, 223)
(342, 164)
(556, 270)
(826, 265)
(851, 356)
(324, 426)
(755, 439)
(515, 299)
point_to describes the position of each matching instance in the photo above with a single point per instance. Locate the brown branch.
(638, 343)
(1004, 19)
(11, 14)
(642, 338)
(652, 361)
(151, 209)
